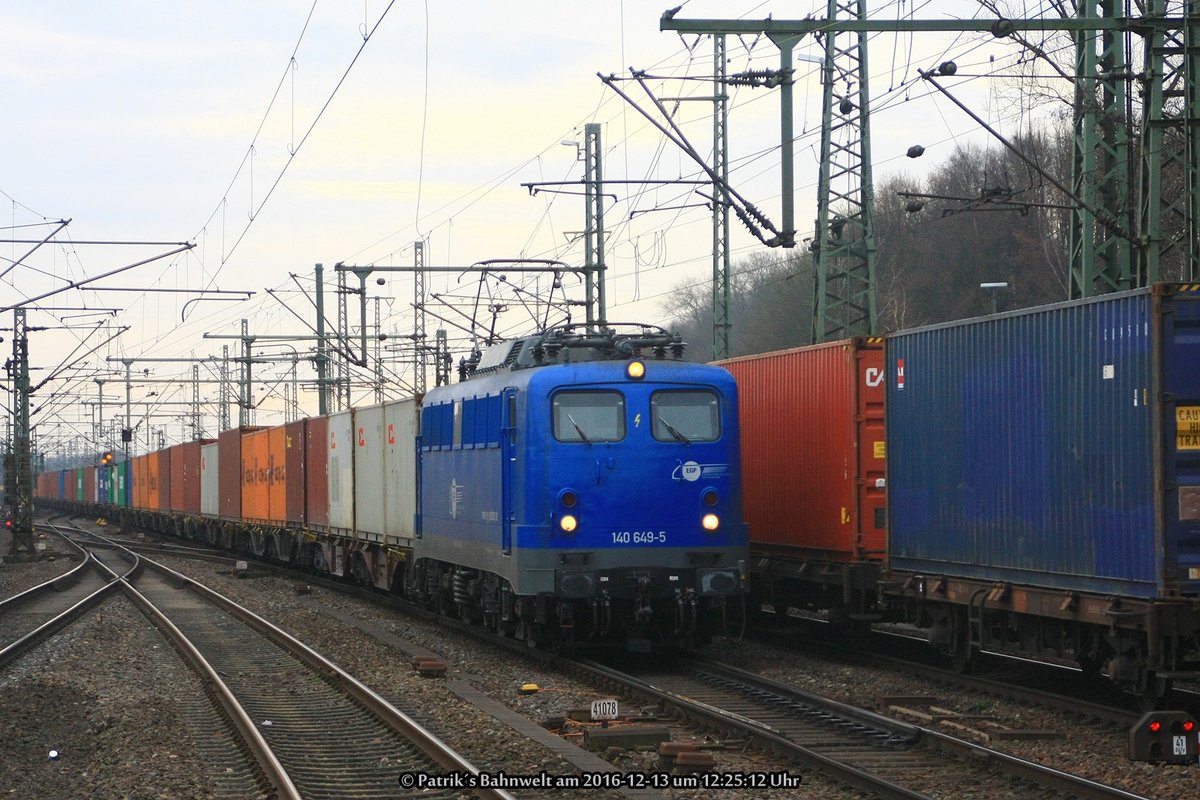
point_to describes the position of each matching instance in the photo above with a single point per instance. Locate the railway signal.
(1164, 736)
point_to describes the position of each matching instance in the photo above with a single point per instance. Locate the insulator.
(754, 78)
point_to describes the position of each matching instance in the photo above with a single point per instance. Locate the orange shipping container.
(277, 491)
(140, 464)
(256, 476)
(152, 494)
(158, 481)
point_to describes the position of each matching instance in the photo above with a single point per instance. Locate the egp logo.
(689, 471)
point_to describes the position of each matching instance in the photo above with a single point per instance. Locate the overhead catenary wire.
(629, 236)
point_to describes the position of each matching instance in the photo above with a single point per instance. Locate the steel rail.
(237, 715)
(1071, 785)
(429, 744)
(62, 620)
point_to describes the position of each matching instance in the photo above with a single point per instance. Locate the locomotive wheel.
(736, 615)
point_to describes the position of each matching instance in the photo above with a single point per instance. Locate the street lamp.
(994, 287)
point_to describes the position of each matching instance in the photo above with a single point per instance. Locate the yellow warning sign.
(880, 450)
(1187, 427)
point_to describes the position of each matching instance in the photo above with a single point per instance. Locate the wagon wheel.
(962, 656)
(1090, 664)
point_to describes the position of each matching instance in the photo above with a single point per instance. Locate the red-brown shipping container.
(178, 499)
(185, 476)
(89, 484)
(316, 473)
(230, 473)
(295, 433)
(277, 475)
(255, 475)
(813, 452)
(158, 480)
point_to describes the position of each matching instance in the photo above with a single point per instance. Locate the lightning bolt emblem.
(637, 420)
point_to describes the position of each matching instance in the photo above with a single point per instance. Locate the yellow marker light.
(711, 522)
(635, 370)
(568, 523)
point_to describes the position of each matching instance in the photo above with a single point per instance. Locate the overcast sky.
(187, 122)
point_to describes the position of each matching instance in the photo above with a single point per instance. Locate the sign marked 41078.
(605, 709)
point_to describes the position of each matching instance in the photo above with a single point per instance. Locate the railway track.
(42, 610)
(869, 752)
(1063, 687)
(314, 731)
(863, 750)
(1040, 685)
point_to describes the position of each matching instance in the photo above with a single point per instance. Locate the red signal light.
(1155, 726)
(1189, 726)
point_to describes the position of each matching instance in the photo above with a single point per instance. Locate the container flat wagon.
(1044, 483)
(814, 485)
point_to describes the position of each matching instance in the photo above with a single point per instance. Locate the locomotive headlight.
(710, 522)
(568, 523)
(635, 370)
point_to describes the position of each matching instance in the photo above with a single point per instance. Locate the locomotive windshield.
(686, 416)
(589, 417)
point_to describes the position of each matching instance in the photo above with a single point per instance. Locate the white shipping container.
(210, 485)
(370, 522)
(400, 446)
(341, 443)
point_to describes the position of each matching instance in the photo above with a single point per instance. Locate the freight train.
(1025, 483)
(576, 487)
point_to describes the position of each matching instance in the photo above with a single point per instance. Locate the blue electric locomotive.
(582, 487)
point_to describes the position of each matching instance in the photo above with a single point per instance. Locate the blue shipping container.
(1057, 446)
(103, 478)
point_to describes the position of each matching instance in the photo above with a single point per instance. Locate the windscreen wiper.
(679, 437)
(578, 429)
